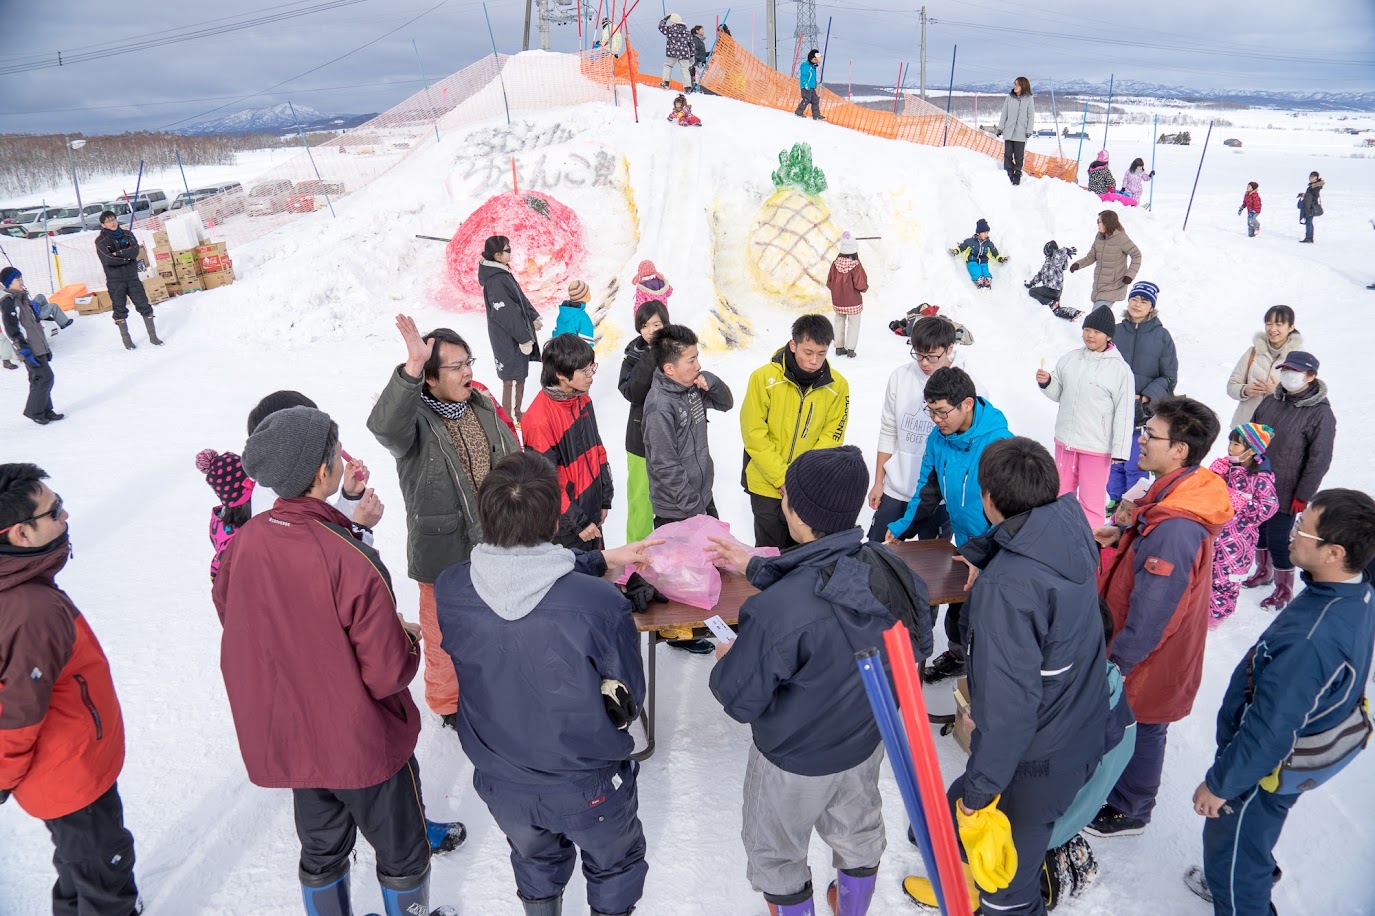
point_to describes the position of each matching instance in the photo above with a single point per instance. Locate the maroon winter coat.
(848, 282)
(315, 661)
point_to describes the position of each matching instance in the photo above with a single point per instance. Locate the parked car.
(14, 229)
(35, 222)
(269, 197)
(7, 214)
(90, 215)
(67, 221)
(1231, 141)
(157, 201)
(191, 198)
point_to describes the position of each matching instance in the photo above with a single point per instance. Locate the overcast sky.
(1327, 45)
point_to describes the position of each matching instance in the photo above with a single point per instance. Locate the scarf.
(558, 394)
(804, 380)
(449, 410)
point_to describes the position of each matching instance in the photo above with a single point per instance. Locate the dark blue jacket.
(791, 674)
(1034, 639)
(530, 710)
(1149, 349)
(1310, 668)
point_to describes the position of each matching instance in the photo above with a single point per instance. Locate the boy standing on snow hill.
(61, 730)
(1039, 697)
(1300, 685)
(816, 750)
(807, 78)
(550, 665)
(966, 425)
(313, 646)
(977, 249)
(793, 405)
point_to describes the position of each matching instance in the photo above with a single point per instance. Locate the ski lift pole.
(825, 47)
(497, 60)
(949, 95)
(311, 157)
(133, 205)
(1196, 174)
(1107, 118)
(182, 169)
(1155, 127)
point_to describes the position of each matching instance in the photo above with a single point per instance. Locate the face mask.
(1293, 380)
(1235, 460)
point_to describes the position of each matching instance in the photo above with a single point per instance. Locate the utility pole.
(923, 53)
(543, 24)
(771, 34)
(525, 45)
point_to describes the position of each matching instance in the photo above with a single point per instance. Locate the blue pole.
(1196, 174)
(183, 176)
(825, 47)
(311, 157)
(426, 84)
(900, 756)
(502, 79)
(949, 95)
(1107, 118)
(1083, 129)
(133, 204)
(1155, 127)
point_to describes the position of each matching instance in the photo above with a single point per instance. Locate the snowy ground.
(314, 311)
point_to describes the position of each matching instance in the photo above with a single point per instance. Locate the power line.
(307, 72)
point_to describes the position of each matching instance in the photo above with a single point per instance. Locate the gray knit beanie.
(287, 449)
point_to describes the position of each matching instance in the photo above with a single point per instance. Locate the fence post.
(1055, 113)
(311, 157)
(950, 94)
(424, 82)
(1155, 127)
(1196, 174)
(183, 177)
(497, 59)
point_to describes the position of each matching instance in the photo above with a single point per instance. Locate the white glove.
(527, 347)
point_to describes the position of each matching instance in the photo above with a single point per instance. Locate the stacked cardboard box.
(215, 267)
(156, 290)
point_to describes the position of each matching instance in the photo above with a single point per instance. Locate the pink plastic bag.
(680, 567)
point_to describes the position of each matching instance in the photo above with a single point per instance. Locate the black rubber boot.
(124, 334)
(152, 331)
(549, 906)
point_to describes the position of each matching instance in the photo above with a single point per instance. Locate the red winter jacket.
(566, 433)
(61, 731)
(315, 661)
(1251, 202)
(1158, 584)
(847, 282)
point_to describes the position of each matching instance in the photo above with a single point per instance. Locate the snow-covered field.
(314, 311)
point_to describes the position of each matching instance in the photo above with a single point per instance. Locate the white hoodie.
(904, 426)
(1097, 397)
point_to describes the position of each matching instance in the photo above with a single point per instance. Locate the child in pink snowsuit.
(234, 489)
(1252, 485)
(682, 113)
(650, 284)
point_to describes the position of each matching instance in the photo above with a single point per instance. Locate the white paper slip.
(719, 629)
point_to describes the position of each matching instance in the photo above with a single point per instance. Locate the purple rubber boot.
(849, 895)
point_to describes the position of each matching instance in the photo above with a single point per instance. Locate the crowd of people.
(1096, 568)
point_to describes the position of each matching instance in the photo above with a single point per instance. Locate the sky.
(357, 56)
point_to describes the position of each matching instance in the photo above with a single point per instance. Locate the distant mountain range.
(1327, 101)
(276, 119)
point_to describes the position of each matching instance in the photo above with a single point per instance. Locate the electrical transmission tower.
(806, 27)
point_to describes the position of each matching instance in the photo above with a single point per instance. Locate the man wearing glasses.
(561, 426)
(1158, 585)
(61, 731)
(445, 435)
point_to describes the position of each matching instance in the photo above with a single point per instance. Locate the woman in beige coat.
(1255, 377)
(1116, 258)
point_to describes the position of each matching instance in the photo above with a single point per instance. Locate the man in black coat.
(118, 252)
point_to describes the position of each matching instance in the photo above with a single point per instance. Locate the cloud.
(1223, 44)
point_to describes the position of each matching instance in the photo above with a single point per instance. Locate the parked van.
(157, 201)
(90, 215)
(269, 197)
(67, 221)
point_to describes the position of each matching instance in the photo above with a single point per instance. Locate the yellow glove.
(954, 251)
(987, 838)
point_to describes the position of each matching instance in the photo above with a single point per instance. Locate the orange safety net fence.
(735, 73)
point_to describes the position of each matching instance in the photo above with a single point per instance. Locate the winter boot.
(549, 906)
(410, 896)
(946, 665)
(330, 898)
(152, 331)
(1067, 313)
(8, 364)
(445, 837)
(1284, 591)
(920, 891)
(850, 894)
(124, 334)
(1264, 574)
(799, 904)
(1196, 881)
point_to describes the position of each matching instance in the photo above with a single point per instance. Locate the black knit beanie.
(826, 488)
(1100, 319)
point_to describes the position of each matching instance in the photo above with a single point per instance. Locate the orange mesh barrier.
(735, 73)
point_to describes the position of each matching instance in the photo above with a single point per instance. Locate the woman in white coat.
(1093, 428)
(1255, 378)
(1017, 123)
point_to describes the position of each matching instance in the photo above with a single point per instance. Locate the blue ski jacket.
(791, 673)
(1308, 671)
(950, 472)
(806, 75)
(573, 319)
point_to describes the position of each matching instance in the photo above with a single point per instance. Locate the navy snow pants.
(1238, 852)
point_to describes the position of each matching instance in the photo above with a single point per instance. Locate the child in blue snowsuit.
(977, 249)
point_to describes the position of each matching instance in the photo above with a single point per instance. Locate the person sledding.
(1048, 283)
(682, 113)
(977, 249)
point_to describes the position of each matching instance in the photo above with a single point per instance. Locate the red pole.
(897, 88)
(930, 784)
(797, 55)
(850, 83)
(515, 186)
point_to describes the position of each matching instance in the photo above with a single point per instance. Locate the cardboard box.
(185, 274)
(186, 256)
(173, 289)
(160, 240)
(212, 257)
(962, 707)
(97, 303)
(192, 286)
(155, 290)
(217, 278)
